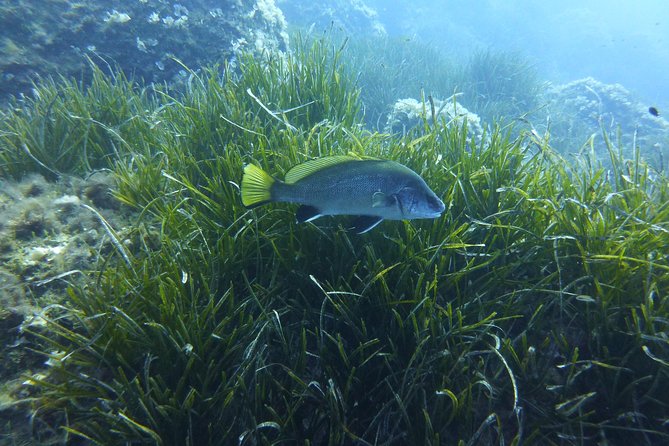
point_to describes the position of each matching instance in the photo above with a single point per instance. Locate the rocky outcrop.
(587, 107)
(409, 113)
(351, 16)
(142, 37)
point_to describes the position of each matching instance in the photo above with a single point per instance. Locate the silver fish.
(373, 189)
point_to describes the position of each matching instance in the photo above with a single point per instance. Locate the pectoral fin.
(307, 213)
(365, 223)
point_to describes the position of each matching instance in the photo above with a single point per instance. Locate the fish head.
(418, 201)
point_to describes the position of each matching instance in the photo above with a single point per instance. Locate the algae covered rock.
(142, 37)
(611, 104)
(352, 16)
(48, 240)
(408, 113)
(587, 106)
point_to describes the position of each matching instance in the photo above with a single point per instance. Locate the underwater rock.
(46, 234)
(12, 293)
(587, 106)
(98, 189)
(142, 37)
(611, 104)
(408, 113)
(67, 204)
(351, 16)
(31, 222)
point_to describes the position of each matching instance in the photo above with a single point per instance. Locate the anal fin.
(366, 223)
(307, 213)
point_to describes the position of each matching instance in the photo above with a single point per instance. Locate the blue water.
(614, 41)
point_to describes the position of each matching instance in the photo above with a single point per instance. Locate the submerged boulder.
(352, 16)
(408, 113)
(610, 105)
(142, 37)
(587, 107)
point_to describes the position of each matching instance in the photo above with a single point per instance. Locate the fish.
(653, 111)
(372, 189)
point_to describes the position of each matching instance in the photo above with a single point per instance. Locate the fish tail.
(256, 186)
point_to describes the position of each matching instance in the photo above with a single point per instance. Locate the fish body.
(653, 111)
(372, 189)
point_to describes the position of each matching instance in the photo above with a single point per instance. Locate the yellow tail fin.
(256, 186)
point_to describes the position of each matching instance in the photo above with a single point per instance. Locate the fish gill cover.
(534, 310)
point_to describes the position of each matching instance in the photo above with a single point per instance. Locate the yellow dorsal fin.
(305, 169)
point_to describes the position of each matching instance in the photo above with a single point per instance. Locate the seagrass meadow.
(534, 311)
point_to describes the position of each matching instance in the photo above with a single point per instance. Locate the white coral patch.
(114, 16)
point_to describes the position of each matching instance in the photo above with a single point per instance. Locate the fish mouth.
(437, 207)
(437, 212)
(433, 214)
